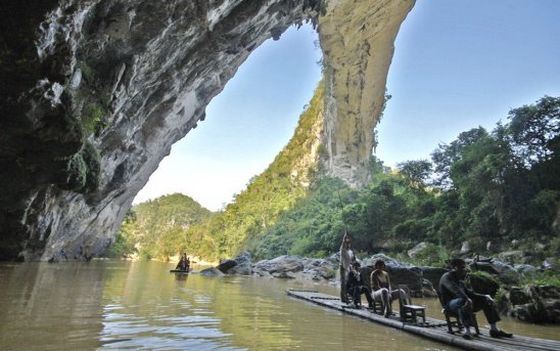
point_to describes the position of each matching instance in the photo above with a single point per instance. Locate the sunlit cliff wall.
(357, 40)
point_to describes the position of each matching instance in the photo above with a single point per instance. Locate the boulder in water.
(283, 275)
(239, 265)
(433, 274)
(389, 261)
(319, 269)
(400, 273)
(281, 264)
(243, 265)
(484, 283)
(226, 265)
(411, 277)
(534, 304)
(428, 289)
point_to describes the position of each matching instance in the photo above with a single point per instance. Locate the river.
(116, 305)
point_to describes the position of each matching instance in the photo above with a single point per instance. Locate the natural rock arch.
(101, 89)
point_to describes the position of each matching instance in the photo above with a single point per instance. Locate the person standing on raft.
(347, 258)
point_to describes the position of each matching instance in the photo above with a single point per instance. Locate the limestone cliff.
(95, 92)
(357, 40)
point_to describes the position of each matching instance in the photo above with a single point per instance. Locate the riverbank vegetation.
(158, 228)
(498, 190)
(489, 188)
(252, 212)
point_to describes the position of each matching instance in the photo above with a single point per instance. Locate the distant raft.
(180, 271)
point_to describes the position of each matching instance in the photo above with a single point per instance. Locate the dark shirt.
(451, 287)
(365, 272)
(182, 265)
(354, 280)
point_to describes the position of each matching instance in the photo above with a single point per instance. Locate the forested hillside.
(498, 190)
(158, 228)
(252, 212)
(241, 224)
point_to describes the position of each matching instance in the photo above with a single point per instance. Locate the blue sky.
(457, 65)
(246, 125)
(460, 64)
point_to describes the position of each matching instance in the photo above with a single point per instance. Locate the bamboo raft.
(434, 329)
(179, 271)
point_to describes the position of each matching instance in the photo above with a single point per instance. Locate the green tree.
(416, 172)
(157, 228)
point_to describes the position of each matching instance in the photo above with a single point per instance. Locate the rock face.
(420, 281)
(281, 264)
(100, 90)
(283, 267)
(240, 265)
(433, 275)
(412, 253)
(535, 304)
(357, 40)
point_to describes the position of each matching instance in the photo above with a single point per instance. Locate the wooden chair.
(377, 307)
(457, 323)
(408, 311)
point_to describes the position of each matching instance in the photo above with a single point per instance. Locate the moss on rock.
(484, 283)
(92, 119)
(84, 169)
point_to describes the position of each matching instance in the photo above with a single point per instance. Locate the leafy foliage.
(241, 224)
(547, 278)
(92, 119)
(483, 283)
(483, 186)
(253, 211)
(83, 169)
(158, 228)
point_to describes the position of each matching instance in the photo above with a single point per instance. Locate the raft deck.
(434, 329)
(180, 271)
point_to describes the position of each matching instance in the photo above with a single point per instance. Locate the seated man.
(356, 288)
(462, 301)
(381, 286)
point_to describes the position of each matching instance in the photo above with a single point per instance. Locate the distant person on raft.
(184, 263)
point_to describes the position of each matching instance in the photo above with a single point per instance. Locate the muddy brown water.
(118, 305)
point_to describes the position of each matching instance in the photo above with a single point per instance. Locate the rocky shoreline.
(532, 303)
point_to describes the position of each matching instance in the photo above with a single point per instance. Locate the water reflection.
(122, 305)
(42, 302)
(148, 308)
